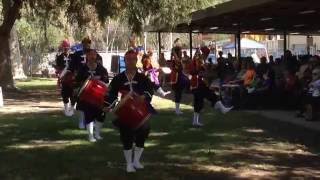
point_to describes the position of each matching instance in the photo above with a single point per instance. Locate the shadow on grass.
(236, 145)
(31, 97)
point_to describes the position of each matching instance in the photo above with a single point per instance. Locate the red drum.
(131, 112)
(93, 92)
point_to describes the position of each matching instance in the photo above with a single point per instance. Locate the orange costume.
(249, 77)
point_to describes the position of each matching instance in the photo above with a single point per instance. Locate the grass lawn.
(47, 145)
(37, 84)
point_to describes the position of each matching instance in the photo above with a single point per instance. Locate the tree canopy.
(42, 21)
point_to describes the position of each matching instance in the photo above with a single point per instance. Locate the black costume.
(200, 88)
(62, 62)
(141, 85)
(90, 112)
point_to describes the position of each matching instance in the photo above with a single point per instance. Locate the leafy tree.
(137, 13)
(163, 13)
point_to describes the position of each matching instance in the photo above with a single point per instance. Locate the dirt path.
(31, 101)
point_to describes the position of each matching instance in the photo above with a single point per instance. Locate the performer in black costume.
(65, 79)
(133, 82)
(79, 56)
(178, 79)
(78, 60)
(93, 116)
(201, 91)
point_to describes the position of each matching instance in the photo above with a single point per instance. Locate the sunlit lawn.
(236, 145)
(37, 84)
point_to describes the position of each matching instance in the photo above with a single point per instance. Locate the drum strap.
(130, 81)
(66, 59)
(112, 104)
(92, 73)
(146, 92)
(130, 84)
(64, 71)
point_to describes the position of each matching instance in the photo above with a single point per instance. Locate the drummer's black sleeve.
(75, 62)
(80, 78)
(112, 96)
(59, 62)
(99, 59)
(105, 77)
(148, 88)
(72, 63)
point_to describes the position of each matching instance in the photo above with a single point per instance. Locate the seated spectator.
(229, 69)
(290, 62)
(249, 76)
(290, 91)
(241, 74)
(278, 73)
(313, 97)
(249, 84)
(263, 67)
(304, 76)
(211, 71)
(271, 60)
(262, 92)
(220, 58)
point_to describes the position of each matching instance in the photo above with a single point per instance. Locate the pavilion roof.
(255, 17)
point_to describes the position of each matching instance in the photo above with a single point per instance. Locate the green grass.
(37, 83)
(237, 145)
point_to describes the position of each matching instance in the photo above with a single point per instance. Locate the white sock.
(81, 120)
(71, 109)
(90, 127)
(128, 157)
(98, 125)
(137, 155)
(219, 106)
(178, 111)
(65, 107)
(162, 92)
(195, 118)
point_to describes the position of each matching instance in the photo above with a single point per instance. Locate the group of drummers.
(85, 87)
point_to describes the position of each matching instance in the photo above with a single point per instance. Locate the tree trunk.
(10, 14)
(108, 32)
(6, 78)
(17, 67)
(113, 37)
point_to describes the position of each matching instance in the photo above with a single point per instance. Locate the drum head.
(131, 115)
(121, 102)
